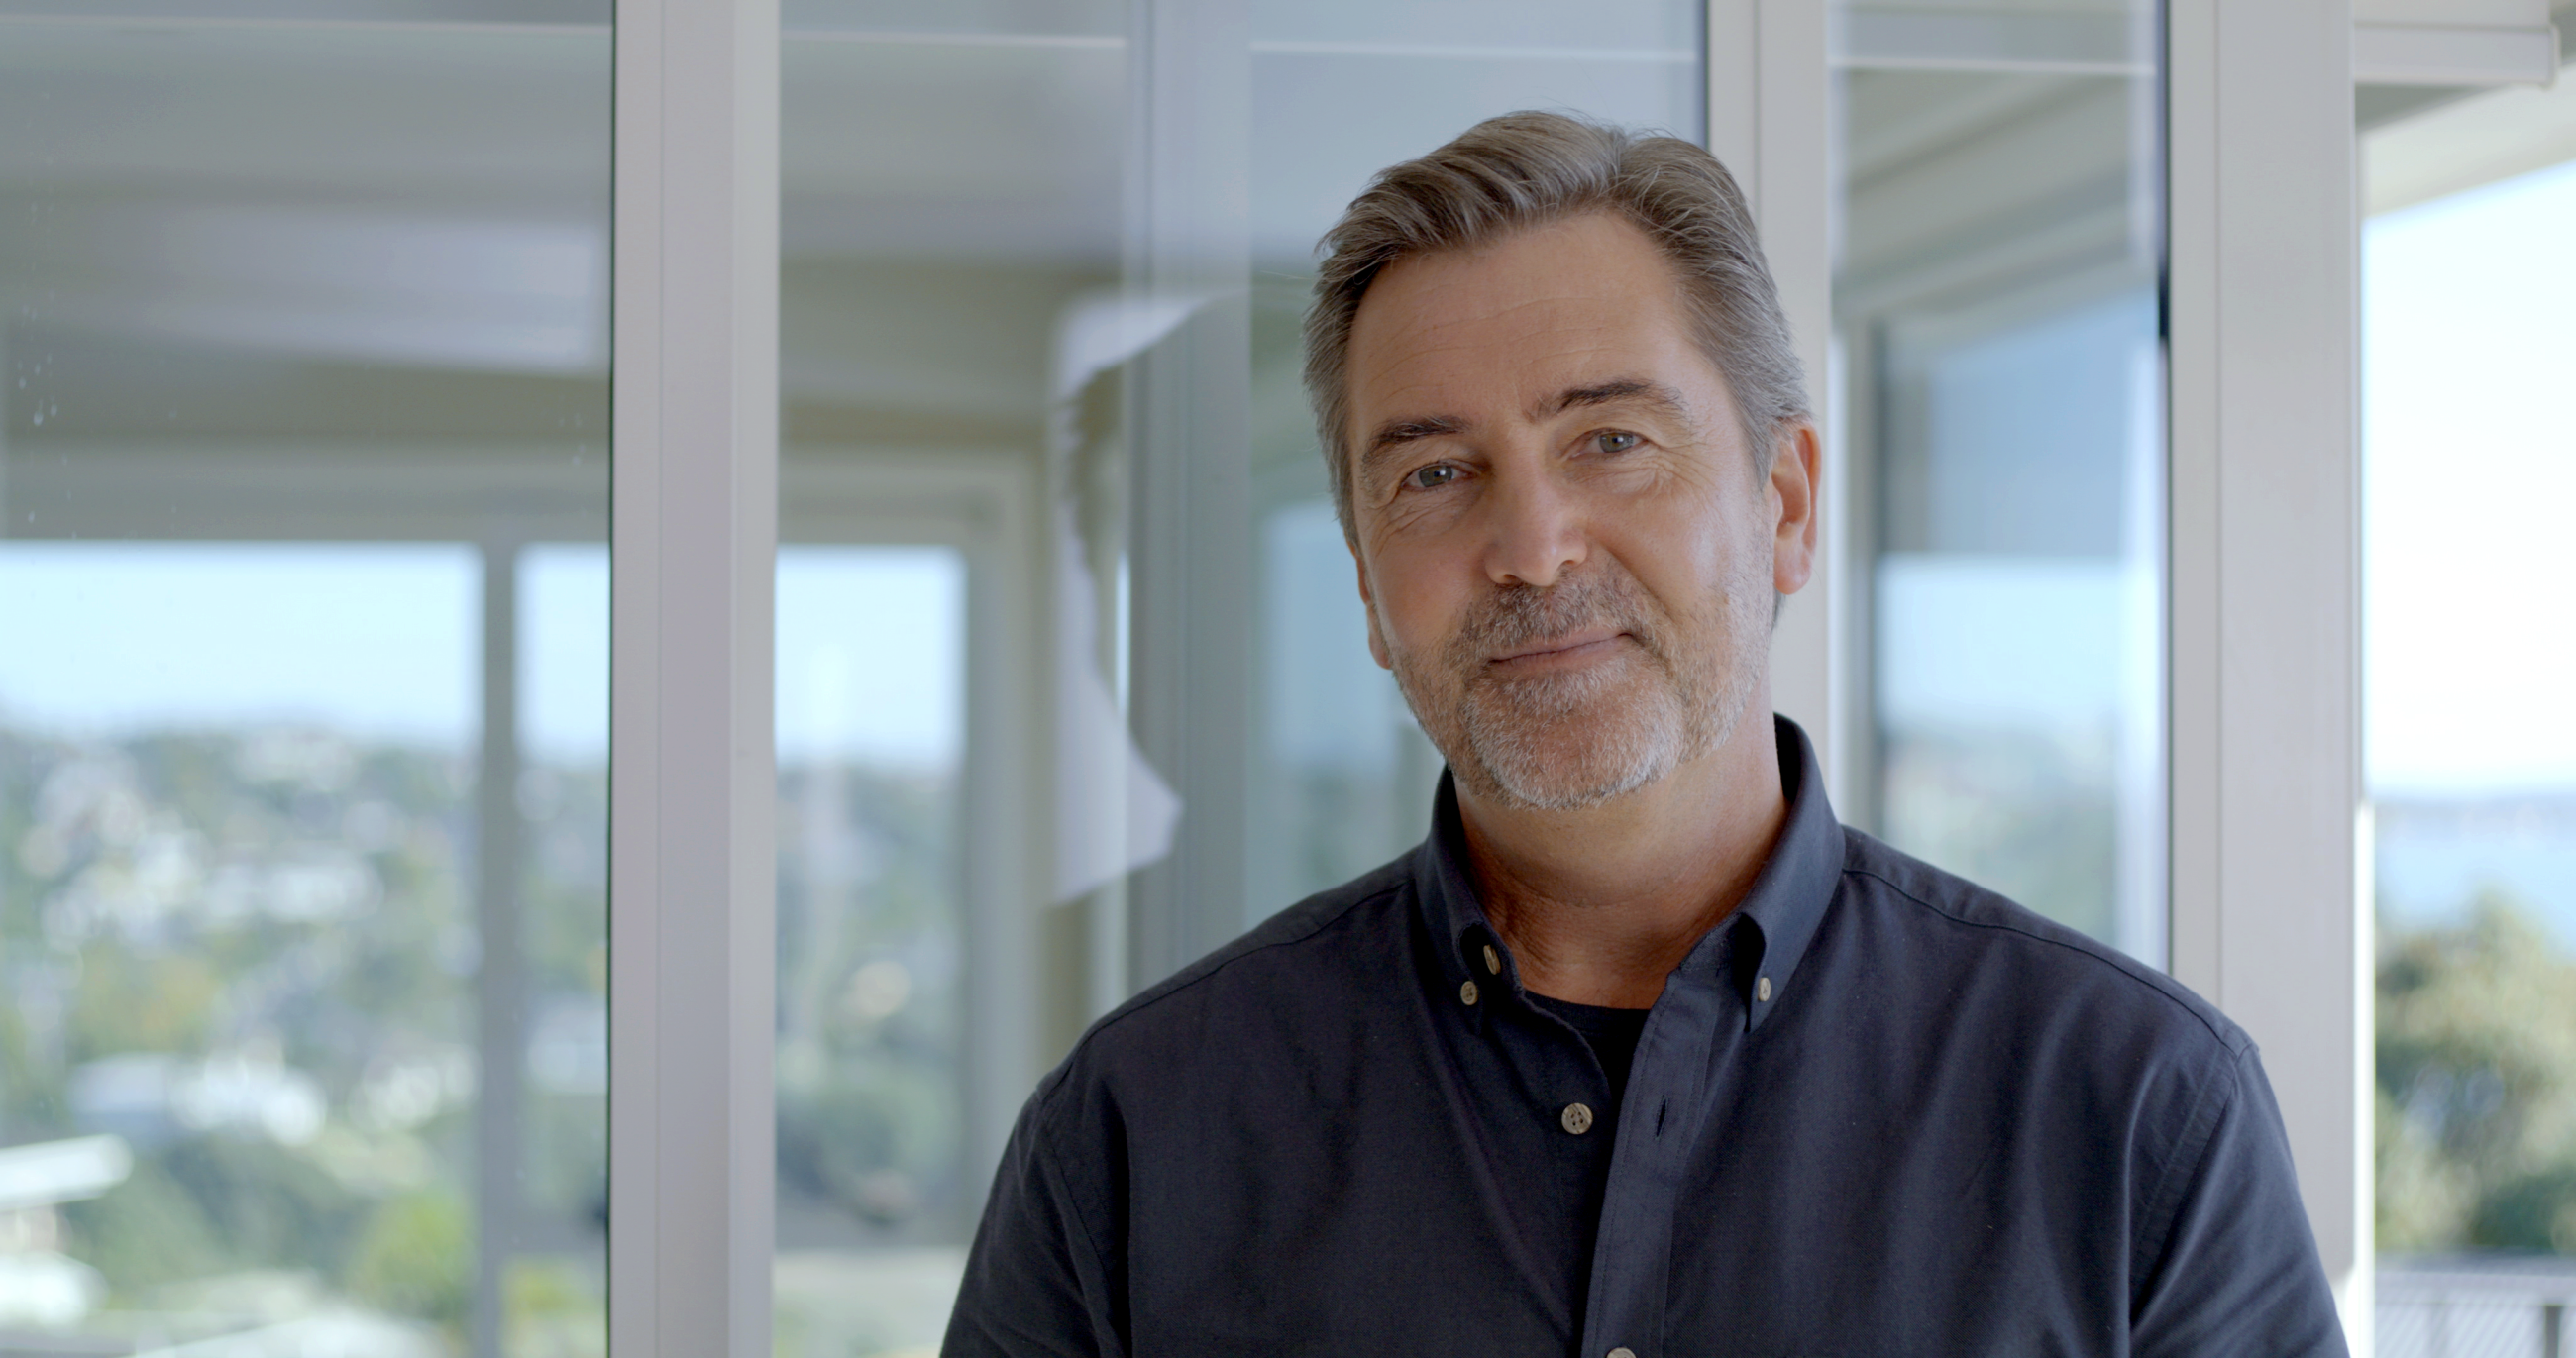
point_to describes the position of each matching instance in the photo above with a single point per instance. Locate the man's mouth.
(1573, 646)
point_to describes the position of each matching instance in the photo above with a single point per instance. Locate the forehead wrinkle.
(1645, 392)
(1515, 339)
(1484, 310)
(1591, 350)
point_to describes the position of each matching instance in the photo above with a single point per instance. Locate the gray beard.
(1562, 742)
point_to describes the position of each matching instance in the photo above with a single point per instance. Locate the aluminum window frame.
(692, 758)
(2263, 596)
(2264, 489)
(2267, 918)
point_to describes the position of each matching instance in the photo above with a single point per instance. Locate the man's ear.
(1797, 468)
(1368, 604)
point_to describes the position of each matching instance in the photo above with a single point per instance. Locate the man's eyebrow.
(1397, 433)
(1636, 390)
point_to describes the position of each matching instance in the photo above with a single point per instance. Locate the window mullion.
(2264, 619)
(695, 537)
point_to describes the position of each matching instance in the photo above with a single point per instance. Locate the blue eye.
(1615, 441)
(1435, 476)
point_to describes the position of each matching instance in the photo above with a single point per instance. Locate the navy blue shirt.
(1877, 1110)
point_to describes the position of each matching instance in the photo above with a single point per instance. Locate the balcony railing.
(2475, 1306)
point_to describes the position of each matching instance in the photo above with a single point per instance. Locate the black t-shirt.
(1611, 1033)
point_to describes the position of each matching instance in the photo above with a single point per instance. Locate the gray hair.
(1525, 170)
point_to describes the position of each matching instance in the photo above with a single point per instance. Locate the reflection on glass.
(870, 715)
(2471, 748)
(1043, 270)
(953, 204)
(1340, 776)
(302, 724)
(2000, 417)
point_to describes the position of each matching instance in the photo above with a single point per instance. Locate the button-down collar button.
(1578, 1120)
(1493, 960)
(1622, 1351)
(1762, 990)
(1467, 992)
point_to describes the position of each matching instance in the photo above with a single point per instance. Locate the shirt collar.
(1781, 911)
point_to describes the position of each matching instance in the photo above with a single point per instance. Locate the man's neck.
(1600, 904)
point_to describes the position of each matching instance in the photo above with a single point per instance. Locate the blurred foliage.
(869, 1123)
(130, 1001)
(2476, 1101)
(417, 1259)
(270, 1205)
(873, 1140)
(212, 1204)
(552, 1309)
(100, 959)
(2030, 814)
(148, 1233)
(286, 891)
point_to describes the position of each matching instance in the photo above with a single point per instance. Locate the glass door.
(2470, 749)
(955, 183)
(1999, 410)
(303, 678)
(1050, 486)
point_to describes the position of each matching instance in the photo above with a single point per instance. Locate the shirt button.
(1467, 992)
(1578, 1120)
(1623, 1351)
(1493, 960)
(1762, 990)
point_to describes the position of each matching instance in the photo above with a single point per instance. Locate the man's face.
(1568, 552)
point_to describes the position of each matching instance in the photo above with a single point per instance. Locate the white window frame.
(2264, 495)
(2264, 628)
(2264, 597)
(692, 760)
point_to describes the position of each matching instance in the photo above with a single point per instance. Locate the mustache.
(1518, 616)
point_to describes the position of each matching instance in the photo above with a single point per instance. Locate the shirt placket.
(1658, 1124)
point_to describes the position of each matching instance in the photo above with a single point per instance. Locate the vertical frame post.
(500, 985)
(2265, 497)
(1000, 876)
(692, 759)
(1769, 104)
(1190, 493)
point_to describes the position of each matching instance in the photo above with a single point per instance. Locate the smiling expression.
(1568, 552)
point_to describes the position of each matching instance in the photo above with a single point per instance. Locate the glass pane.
(1341, 777)
(303, 678)
(1050, 486)
(871, 1174)
(2469, 742)
(953, 200)
(1999, 408)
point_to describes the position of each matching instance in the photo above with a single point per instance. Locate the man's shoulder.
(2019, 952)
(1296, 945)
(1348, 942)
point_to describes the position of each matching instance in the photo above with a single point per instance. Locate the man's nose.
(1537, 531)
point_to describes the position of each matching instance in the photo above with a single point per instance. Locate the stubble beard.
(1579, 738)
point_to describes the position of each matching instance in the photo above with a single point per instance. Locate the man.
(1641, 1053)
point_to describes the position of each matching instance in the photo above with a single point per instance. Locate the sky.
(2469, 448)
(383, 641)
(103, 638)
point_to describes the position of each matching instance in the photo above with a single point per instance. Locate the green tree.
(2477, 1086)
(417, 1258)
(145, 1232)
(134, 1000)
